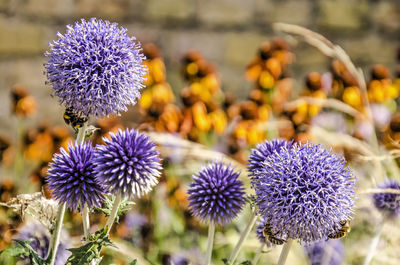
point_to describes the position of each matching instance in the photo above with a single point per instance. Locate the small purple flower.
(128, 163)
(95, 68)
(41, 241)
(381, 115)
(262, 151)
(304, 192)
(71, 177)
(388, 203)
(329, 252)
(331, 121)
(216, 194)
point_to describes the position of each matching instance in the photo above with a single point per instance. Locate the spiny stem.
(211, 231)
(80, 138)
(285, 251)
(86, 222)
(258, 254)
(374, 242)
(113, 213)
(55, 239)
(243, 237)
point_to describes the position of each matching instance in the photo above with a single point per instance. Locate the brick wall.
(228, 32)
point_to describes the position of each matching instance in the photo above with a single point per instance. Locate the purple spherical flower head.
(216, 194)
(95, 68)
(329, 252)
(304, 192)
(41, 241)
(71, 177)
(261, 152)
(128, 163)
(389, 203)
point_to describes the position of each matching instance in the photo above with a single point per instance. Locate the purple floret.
(304, 192)
(128, 163)
(261, 152)
(71, 177)
(95, 68)
(216, 195)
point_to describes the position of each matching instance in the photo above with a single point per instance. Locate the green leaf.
(91, 250)
(33, 256)
(133, 262)
(124, 207)
(14, 251)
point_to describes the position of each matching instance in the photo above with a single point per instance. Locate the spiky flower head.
(304, 192)
(389, 203)
(216, 194)
(41, 241)
(329, 252)
(128, 163)
(71, 178)
(261, 152)
(95, 68)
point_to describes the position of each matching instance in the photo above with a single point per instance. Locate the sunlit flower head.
(304, 192)
(216, 194)
(95, 68)
(71, 178)
(128, 163)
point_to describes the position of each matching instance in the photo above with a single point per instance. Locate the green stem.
(285, 251)
(86, 222)
(258, 254)
(80, 138)
(374, 243)
(243, 237)
(211, 231)
(55, 240)
(113, 213)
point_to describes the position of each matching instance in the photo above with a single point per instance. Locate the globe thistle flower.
(71, 177)
(216, 194)
(41, 241)
(95, 68)
(304, 192)
(329, 252)
(128, 163)
(389, 203)
(261, 152)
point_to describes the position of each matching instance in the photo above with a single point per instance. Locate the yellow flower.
(218, 120)
(266, 80)
(352, 96)
(201, 120)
